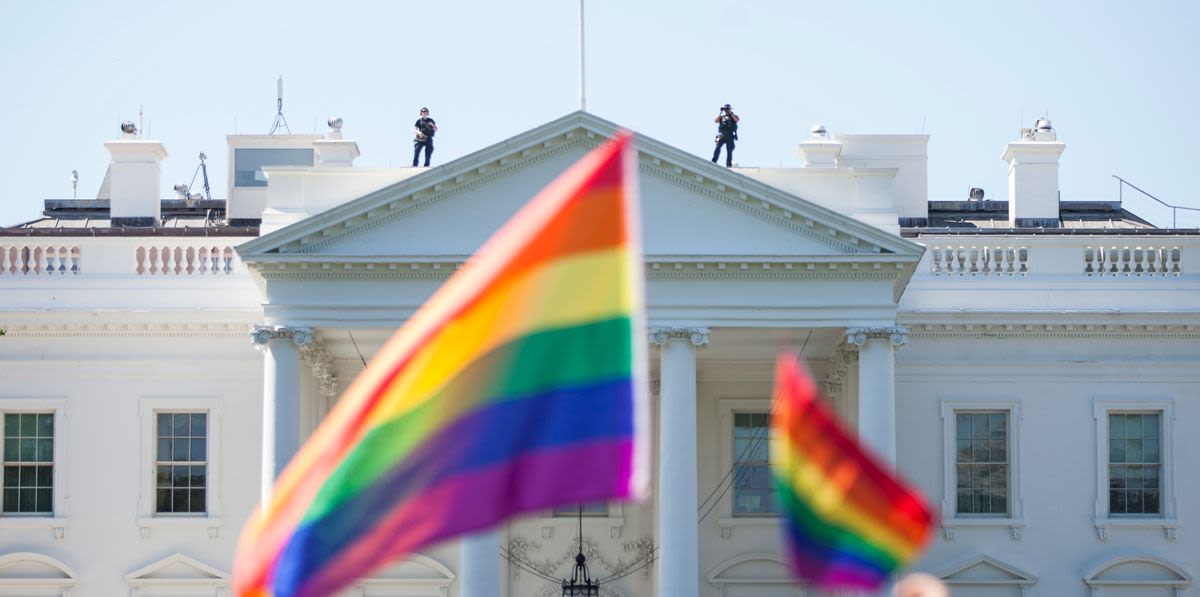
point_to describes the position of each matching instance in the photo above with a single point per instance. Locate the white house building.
(1031, 364)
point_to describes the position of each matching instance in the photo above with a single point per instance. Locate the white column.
(877, 385)
(281, 398)
(479, 568)
(678, 538)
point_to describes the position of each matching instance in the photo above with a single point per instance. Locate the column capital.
(697, 336)
(261, 335)
(857, 337)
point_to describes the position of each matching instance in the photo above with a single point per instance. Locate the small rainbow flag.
(848, 522)
(520, 385)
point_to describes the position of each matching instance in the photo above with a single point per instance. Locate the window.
(248, 163)
(28, 464)
(753, 493)
(589, 509)
(1133, 465)
(181, 463)
(981, 467)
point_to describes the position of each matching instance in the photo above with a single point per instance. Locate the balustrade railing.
(175, 260)
(986, 260)
(32, 259)
(1143, 261)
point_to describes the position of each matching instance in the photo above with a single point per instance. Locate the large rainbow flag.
(848, 522)
(520, 385)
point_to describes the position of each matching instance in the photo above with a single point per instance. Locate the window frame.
(726, 519)
(1166, 518)
(57, 518)
(172, 463)
(148, 517)
(951, 519)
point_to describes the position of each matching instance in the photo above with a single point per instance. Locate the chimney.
(819, 151)
(134, 177)
(1033, 177)
(333, 151)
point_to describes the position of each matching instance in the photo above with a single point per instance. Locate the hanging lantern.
(581, 584)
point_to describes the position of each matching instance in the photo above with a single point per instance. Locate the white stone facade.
(1053, 332)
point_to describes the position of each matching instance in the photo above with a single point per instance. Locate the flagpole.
(582, 91)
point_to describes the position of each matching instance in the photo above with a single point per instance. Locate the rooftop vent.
(819, 132)
(976, 194)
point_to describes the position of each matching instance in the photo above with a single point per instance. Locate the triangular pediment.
(691, 207)
(986, 570)
(177, 568)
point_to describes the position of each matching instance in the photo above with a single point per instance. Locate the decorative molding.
(262, 335)
(147, 329)
(698, 337)
(321, 361)
(839, 370)
(519, 553)
(1025, 331)
(856, 338)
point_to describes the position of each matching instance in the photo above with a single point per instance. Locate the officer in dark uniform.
(727, 125)
(425, 127)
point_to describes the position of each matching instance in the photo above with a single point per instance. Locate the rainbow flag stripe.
(848, 522)
(526, 365)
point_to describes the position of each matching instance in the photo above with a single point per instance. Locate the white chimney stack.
(134, 179)
(335, 151)
(1033, 177)
(819, 151)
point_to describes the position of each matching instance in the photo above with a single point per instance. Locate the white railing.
(979, 260)
(174, 259)
(1137, 261)
(37, 258)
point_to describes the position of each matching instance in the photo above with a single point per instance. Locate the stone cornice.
(138, 329)
(733, 266)
(1024, 331)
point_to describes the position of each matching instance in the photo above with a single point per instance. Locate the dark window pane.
(1116, 450)
(1133, 450)
(1152, 501)
(179, 425)
(28, 450)
(1116, 501)
(963, 422)
(10, 499)
(964, 502)
(182, 450)
(1116, 426)
(197, 501)
(199, 425)
(163, 476)
(11, 474)
(982, 429)
(29, 425)
(27, 498)
(12, 449)
(198, 476)
(1151, 478)
(1133, 426)
(45, 450)
(163, 501)
(1150, 450)
(28, 476)
(12, 425)
(164, 424)
(179, 500)
(45, 476)
(45, 425)
(964, 450)
(165, 454)
(198, 450)
(179, 476)
(1149, 425)
(1133, 502)
(43, 500)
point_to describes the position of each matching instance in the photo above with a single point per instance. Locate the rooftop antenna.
(582, 78)
(202, 168)
(140, 113)
(279, 119)
(74, 184)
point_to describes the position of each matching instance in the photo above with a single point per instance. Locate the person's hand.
(919, 584)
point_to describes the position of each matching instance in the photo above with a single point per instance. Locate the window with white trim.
(28, 463)
(181, 463)
(181, 460)
(753, 492)
(1134, 465)
(981, 466)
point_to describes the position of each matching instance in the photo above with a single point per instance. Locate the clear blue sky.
(1120, 80)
